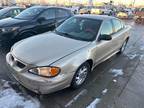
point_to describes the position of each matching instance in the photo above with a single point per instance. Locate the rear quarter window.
(62, 13)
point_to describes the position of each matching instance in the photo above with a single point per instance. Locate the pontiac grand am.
(63, 58)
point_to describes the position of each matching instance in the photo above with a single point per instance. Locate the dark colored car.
(1, 8)
(10, 12)
(32, 21)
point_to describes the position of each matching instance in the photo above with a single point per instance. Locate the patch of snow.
(132, 56)
(94, 103)
(132, 24)
(117, 72)
(142, 48)
(104, 91)
(83, 92)
(141, 57)
(114, 80)
(9, 98)
(6, 84)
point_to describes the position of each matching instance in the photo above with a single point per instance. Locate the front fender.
(71, 62)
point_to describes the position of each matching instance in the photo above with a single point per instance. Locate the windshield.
(79, 28)
(3, 11)
(29, 13)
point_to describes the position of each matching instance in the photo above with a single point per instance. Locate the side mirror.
(105, 37)
(41, 19)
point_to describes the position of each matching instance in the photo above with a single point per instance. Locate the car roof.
(98, 17)
(12, 7)
(6, 9)
(46, 7)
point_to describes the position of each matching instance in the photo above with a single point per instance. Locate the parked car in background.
(84, 11)
(75, 9)
(125, 14)
(104, 11)
(139, 15)
(10, 12)
(56, 60)
(32, 21)
(1, 8)
(96, 11)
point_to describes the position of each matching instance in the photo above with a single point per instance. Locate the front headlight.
(45, 71)
(8, 29)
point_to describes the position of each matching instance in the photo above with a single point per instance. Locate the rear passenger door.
(61, 15)
(49, 21)
(119, 33)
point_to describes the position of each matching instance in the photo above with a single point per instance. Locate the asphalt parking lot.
(112, 84)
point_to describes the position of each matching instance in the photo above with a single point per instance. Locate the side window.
(61, 13)
(8, 14)
(117, 25)
(14, 12)
(48, 14)
(122, 24)
(107, 28)
(19, 11)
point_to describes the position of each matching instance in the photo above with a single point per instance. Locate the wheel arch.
(90, 61)
(25, 31)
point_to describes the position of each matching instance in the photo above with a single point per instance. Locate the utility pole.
(13, 2)
(134, 3)
(56, 3)
(90, 2)
(69, 2)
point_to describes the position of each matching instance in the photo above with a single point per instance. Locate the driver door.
(104, 48)
(48, 24)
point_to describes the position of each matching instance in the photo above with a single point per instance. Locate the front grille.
(17, 63)
(12, 58)
(0, 30)
(20, 65)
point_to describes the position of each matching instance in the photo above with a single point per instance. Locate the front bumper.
(38, 84)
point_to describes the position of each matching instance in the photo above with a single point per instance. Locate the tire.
(123, 47)
(81, 75)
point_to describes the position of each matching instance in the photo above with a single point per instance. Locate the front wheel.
(80, 75)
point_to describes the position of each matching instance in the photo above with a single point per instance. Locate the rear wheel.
(80, 75)
(123, 47)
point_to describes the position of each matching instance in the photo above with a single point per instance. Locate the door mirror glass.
(105, 37)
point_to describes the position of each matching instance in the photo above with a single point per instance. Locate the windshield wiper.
(63, 33)
(66, 34)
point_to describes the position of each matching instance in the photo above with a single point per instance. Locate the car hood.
(46, 48)
(10, 22)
